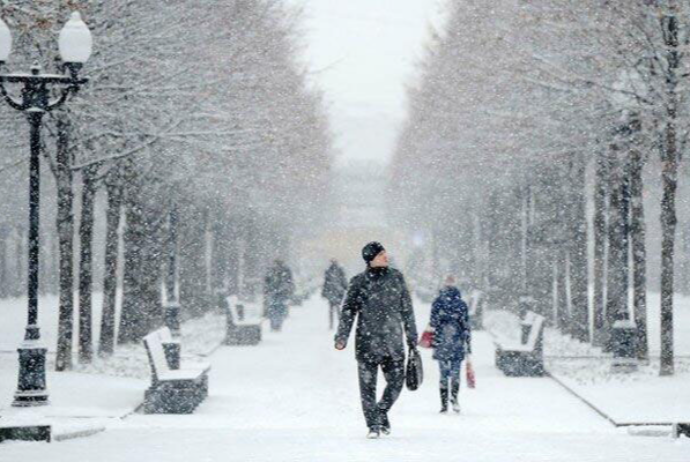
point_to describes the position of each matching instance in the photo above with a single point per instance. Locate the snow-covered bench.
(25, 432)
(681, 429)
(477, 310)
(243, 328)
(527, 357)
(172, 391)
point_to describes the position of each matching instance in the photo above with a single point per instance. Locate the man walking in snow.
(380, 301)
(278, 290)
(334, 288)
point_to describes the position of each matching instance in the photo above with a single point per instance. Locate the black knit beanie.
(371, 250)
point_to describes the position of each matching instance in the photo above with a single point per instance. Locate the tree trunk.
(561, 235)
(525, 257)
(192, 265)
(65, 231)
(600, 240)
(171, 275)
(133, 324)
(639, 252)
(668, 225)
(153, 262)
(618, 261)
(219, 253)
(106, 344)
(562, 316)
(86, 266)
(669, 179)
(579, 265)
(233, 258)
(542, 275)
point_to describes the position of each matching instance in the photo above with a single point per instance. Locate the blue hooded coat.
(450, 321)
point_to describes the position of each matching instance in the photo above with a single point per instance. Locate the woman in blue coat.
(450, 322)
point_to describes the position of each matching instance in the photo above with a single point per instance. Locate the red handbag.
(427, 338)
(469, 371)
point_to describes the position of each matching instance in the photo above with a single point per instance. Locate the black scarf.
(376, 273)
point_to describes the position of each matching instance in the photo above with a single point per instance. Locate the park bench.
(243, 327)
(681, 429)
(476, 310)
(172, 391)
(527, 357)
(25, 432)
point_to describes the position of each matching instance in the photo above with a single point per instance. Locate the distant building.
(360, 216)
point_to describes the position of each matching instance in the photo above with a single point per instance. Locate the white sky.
(362, 53)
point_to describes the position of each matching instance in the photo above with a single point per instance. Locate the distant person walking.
(334, 288)
(452, 339)
(278, 291)
(378, 298)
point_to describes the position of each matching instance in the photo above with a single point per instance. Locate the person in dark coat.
(278, 290)
(380, 302)
(451, 325)
(334, 288)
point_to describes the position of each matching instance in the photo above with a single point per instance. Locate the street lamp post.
(35, 101)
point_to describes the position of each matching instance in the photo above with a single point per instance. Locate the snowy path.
(294, 398)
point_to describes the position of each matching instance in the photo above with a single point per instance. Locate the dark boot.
(455, 389)
(444, 398)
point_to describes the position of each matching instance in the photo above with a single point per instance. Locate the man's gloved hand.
(340, 345)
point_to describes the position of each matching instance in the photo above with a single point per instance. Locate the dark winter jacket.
(451, 324)
(278, 285)
(334, 284)
(380, 301)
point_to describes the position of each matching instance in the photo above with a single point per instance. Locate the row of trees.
(195, 154)
(539, 129)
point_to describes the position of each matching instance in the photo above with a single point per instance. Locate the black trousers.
(394, 373)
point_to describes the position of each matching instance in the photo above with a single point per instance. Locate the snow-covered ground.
(637, 397)
(294, 398)
(627, 398)
(74, 394)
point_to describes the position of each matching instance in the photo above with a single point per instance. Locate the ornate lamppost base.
(31, 388)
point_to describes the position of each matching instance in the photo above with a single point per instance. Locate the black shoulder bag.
(414, 372)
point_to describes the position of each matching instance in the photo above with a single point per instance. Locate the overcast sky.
(362, 53)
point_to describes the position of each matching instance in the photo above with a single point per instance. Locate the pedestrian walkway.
(295, 398)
